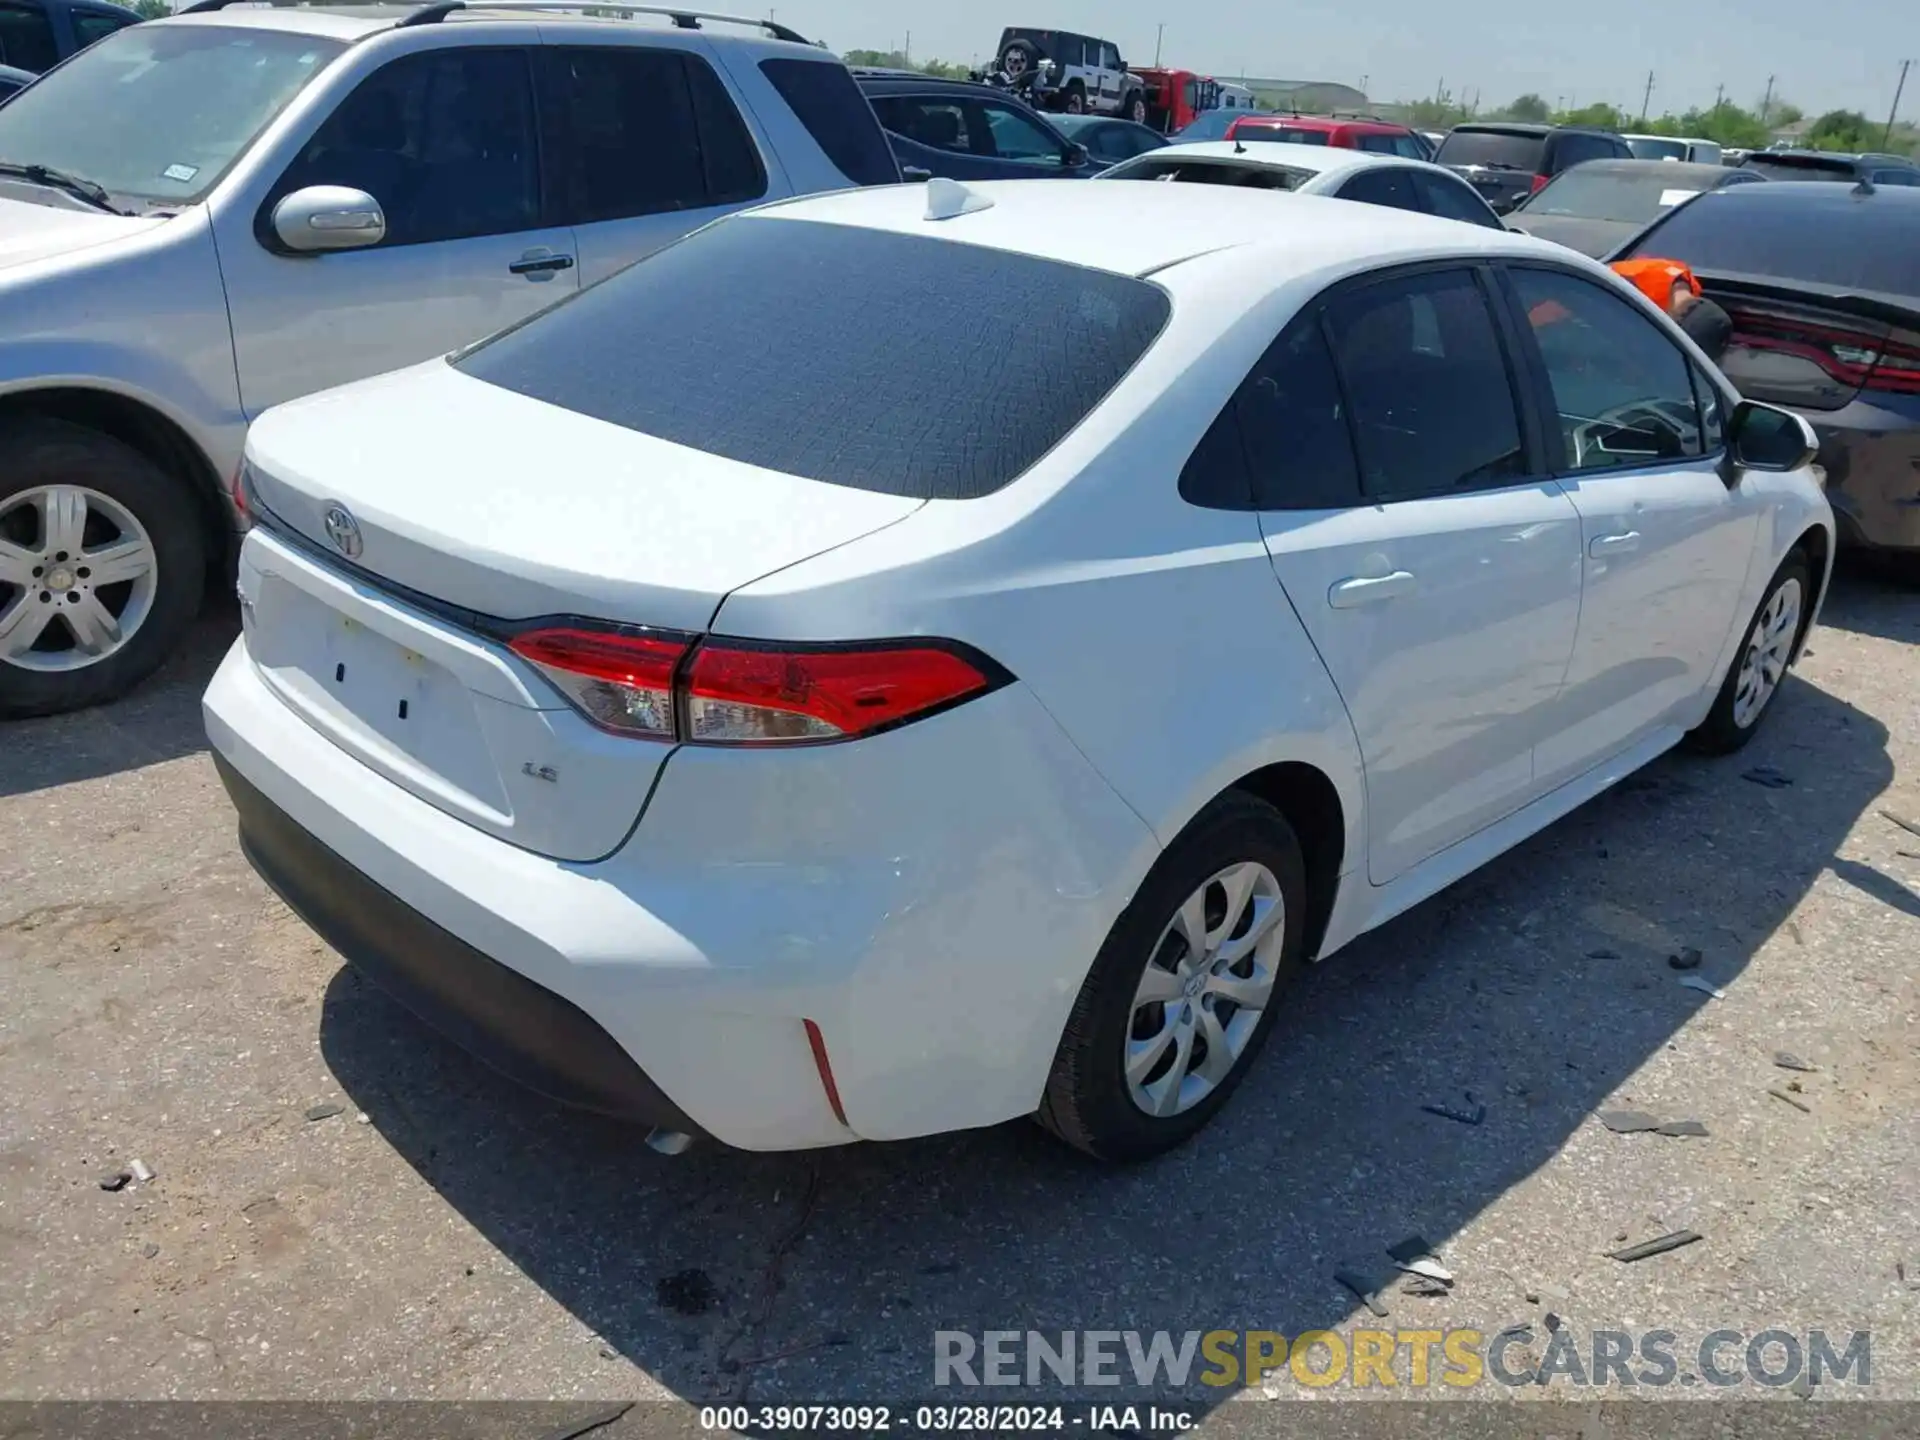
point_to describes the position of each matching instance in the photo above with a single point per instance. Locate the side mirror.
(1767, 438)
(329, 217)
(1074, 157)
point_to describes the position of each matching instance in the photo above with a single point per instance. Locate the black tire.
(1088, 1102)
(1722, 732)
(1076, 101)
(1030, 58)
(36, 453)
(1134, 108)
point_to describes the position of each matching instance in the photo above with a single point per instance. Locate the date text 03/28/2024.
(941, 1419)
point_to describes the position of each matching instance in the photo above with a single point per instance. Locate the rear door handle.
(540, 264)
(1614, 544)
(1369, 590)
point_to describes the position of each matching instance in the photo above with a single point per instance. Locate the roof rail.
(682, 18)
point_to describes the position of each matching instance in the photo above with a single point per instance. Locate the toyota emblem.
(342, 529)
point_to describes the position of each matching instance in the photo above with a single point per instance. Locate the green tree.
(1843, 130)
(151, 9)
(894, 60)
(1529, 107)
(1602, 116)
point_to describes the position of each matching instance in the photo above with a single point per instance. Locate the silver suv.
(206, 215)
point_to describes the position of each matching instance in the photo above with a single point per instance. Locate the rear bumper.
(930, 898)
(1872, 460)
(523, 1030)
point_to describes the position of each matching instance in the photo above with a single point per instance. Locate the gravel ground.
(468, 1241)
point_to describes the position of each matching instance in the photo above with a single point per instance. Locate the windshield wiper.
(59, 180)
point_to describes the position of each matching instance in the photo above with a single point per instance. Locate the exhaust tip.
(668, 1142)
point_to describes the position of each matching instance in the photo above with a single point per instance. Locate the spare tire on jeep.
(1020, 58)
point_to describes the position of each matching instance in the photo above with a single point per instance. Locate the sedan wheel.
(1760, 668)
(1204, 989)
(1185, 989)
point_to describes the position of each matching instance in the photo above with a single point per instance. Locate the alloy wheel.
(1204, 988)
(78, 574)
(1769, 646)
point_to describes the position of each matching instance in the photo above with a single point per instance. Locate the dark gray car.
(1597, 207)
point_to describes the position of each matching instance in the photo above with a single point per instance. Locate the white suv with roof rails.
(268, 201)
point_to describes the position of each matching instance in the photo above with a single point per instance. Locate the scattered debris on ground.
(149, 1250)
(1639, 1122)
(1365, 1287)
(1603, 954)
(115, 1180)
(1472, 1115)
(1703, 985)
(1787, 1060)
(1647, 1249)
(324, 1112)
(1415, 1256)
(1421, 1286)
(1685, 958)
(1768, 776)
(1798, 1104)
(1905, 824)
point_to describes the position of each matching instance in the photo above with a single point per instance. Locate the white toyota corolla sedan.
(905, 659)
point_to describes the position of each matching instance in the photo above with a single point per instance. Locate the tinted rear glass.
(1284, 134)
(1812, 168)
(1493, 147)
(1635, 196)
(1867, 246)
(1650, 148)
(837, 115)
(892, 363)
(1169, 165)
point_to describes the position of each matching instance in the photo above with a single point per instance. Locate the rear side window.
(1390, 185)
(1453, 199)
(1498, 148)
(858, 357)
(637, 131)
(1809, 168)
(26, 38)
(1405, 146)
(1866, 246)
(92, 25)
(1896, 177)
(1433, 406)
(827, 101)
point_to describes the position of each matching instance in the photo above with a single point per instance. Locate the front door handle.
(1621, 544)
(1369, 590)
(541, 264)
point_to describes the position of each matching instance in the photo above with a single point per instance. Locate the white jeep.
(206, 215)
(1077, 74)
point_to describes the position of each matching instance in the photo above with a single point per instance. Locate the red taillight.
(1857, 359)
(1539, 183)
(662, 686)
(620, 680)
(750, 695)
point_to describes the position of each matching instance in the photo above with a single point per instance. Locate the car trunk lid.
(1814, 347)
(399, 557)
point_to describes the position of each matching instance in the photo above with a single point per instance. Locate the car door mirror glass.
(1073, 156)
(1765, 437)
(328, 217)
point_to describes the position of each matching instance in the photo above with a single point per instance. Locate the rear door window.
(1896, 177)
(26, 37)
(1423, 368)
(1453, 199)
(638, 131)
(1570, 150)
(858, 357)
(443, 139)
(827, 101)
(1389, 185)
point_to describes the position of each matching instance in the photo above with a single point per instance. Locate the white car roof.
(1137, 229)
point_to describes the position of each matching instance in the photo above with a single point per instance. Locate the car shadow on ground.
(159, 721)
(1872, 597)
(1539, 985)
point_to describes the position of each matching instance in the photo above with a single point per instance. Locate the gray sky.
(1827, 53)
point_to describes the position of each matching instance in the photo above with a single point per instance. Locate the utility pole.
(1646, 99)
(1159, 35)
(1719, 94)
(907, 53)
(1894, 114)
(1766, 102)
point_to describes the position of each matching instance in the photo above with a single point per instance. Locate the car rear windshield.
(158, 113)
(1653, 148)
(1590, 194)
(1170, 165)
(1511, 149)
(901, 364)
(1811, 167)
(1856, 246)
(1283, 133)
